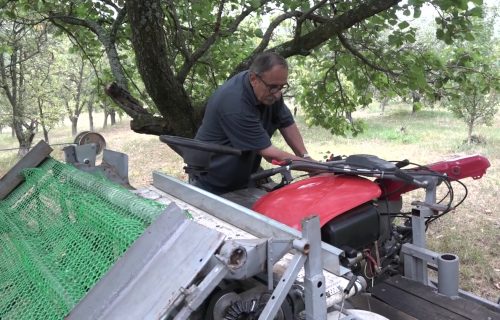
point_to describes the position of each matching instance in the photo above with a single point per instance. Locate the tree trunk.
(25, 137)
(41, 114)
(74, 126)
(45, 134)
(106, 114)
(112, 114)
(348, 115)
(90, 109)
(416, 99)
(148, 38)
(383, 104)
(470, 128)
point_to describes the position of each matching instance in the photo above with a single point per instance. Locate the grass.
(472, 231)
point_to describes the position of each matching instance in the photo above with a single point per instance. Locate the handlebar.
(266, 173)
(370, 166)
(409, 178)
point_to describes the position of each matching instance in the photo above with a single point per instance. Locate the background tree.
(21, 44)
(77, 89)
(44, 85)
(183, 50)
(470, 78)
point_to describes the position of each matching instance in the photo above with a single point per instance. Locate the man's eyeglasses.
(273, 88)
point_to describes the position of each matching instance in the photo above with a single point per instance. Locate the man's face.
(268, 86)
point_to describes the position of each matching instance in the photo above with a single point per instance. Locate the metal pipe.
(448, 274)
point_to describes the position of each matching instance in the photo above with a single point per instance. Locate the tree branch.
(333, 27)
(178, 31)
(358, 55)
(188, 64)
(143, 121)
(120, 17)
(329, 28)
(300, 20)
(265, 40)
(111, 4)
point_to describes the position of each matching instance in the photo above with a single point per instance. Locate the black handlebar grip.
(263, 174)
(404, 176)
(402, 163)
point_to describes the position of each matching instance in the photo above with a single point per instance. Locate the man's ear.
(253, 78)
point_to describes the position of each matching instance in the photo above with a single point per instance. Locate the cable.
(53, 144)
(432, 219)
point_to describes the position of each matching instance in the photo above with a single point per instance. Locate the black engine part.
(354, 229)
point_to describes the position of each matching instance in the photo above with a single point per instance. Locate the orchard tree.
(184, 49)
(44, 86)
(77, 88)
(475, 107)
(21, 44)
(472, 77)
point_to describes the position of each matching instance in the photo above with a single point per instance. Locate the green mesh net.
(60, 231)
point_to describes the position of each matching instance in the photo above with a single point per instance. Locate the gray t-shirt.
(234, 117)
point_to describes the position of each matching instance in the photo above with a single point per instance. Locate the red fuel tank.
(324, 196)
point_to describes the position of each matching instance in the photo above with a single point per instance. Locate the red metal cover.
(326, 196)
(473, 166)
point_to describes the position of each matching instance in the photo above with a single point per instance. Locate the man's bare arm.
(294, 139)
(273, 153)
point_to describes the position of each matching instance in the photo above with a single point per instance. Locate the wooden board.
(368, 302)
(31, 160)
(423, 302)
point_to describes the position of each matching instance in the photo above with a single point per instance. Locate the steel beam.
(149, 278)
(31, 160)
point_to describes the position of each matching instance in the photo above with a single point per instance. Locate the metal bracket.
(114, 165)
(447, 264)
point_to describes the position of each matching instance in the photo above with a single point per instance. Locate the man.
(244, 113)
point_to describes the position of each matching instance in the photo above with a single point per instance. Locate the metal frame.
(244, 218)
(157, 277)
(416, 256)
(32, 159)
(148, 279)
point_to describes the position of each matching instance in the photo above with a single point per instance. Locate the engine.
(355, 229)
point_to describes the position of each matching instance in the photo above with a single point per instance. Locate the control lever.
(402, 163)
(409, 178)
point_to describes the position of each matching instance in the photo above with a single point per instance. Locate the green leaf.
(448, 39)
(258, 33)
(410, 38)
(461, 4)
(254, 3)
(476, 12)
(446, 4)
(439, 33)
(403, 25)
(10, 14)
(416, 77)
(417, 12)
(469, 37)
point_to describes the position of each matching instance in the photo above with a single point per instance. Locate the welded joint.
(423, 254)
